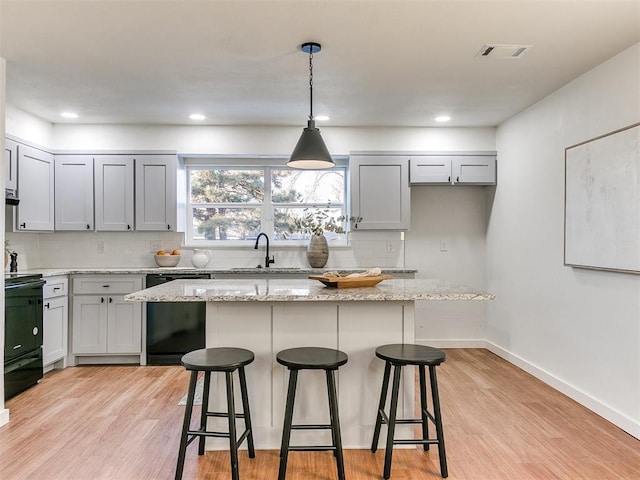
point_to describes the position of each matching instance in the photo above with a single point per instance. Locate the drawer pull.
(17, 347)
(47, 305)
(106, 286)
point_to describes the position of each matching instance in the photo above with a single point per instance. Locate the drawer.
(55, 287)
(104, 284)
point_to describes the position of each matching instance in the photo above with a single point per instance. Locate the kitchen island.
(269, 315)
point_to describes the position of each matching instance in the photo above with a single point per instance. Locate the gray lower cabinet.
(102, 322)
(55, 322)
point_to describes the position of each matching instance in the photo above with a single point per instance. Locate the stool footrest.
(312, 448)
(310, 427)
(416, 441)
(202, 433)
(223, 414)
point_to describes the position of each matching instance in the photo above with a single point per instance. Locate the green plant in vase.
(315, 222)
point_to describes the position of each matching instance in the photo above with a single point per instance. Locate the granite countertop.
(52, 272)
(302, 290)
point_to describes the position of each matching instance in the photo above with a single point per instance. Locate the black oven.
(22, 332)
(173, 328)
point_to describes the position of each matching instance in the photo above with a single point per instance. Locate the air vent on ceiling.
(503, 51)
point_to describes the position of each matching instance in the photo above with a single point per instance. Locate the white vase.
(200, 258)
(318, 251)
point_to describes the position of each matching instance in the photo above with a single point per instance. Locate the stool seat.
(312, 358)
(222, 359)
(410, 354)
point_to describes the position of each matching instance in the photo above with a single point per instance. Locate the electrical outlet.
(155, 245)
(102, 247)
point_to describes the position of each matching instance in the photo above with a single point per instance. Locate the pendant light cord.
(311, 84)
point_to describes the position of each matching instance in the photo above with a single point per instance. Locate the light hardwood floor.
(123, 423)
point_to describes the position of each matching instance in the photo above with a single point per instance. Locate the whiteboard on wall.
(602, 202)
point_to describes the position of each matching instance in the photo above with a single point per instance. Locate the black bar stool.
(399, 355)
(312, 358)
(208, 360)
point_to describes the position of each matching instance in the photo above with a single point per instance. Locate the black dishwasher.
(173, 328)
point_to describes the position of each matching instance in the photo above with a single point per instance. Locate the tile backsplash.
(135, 249)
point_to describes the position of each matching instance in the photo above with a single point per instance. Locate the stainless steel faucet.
(267, 261)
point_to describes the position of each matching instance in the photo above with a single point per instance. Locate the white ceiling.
(383, 63)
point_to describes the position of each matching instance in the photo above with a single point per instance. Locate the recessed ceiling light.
(321, 118)
(442, 118)
(197, 116)
(69, 115)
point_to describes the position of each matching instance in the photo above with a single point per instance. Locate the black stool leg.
(247, 415)
(288, 420)
(395, 389)
(203, 410)
(185, 426)
(233, 442)
(423, 407)
(383, 400)
(438, 421)
(335, 422)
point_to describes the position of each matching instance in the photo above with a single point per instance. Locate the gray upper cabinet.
(74, 192)
(35, 189)
(114, 192)
(11, 164)
(380, 191)
(156, 192)
(453, 168)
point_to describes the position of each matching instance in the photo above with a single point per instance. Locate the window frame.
(267, 164)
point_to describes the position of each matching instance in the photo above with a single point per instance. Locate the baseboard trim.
(622, 421)
(4, 416)
(460, 343)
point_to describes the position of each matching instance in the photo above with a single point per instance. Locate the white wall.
(4, 413)
(577, 329)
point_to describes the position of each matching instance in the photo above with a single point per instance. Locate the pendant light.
(310, 151)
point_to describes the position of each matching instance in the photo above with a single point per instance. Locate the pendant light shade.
(310, 151)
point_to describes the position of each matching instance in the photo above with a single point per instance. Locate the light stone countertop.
(248, 271)
(302, 290)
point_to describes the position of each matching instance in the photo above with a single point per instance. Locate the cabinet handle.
(128, 227)
(457, 179)
(47, 305)
(355, 226)
(449, 180)
(110, 300)
(168, 227)
(101, 299)
(88, 227)
(56, 288)
(105, 286)
(23, 225)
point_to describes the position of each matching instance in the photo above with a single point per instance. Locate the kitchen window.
(231, 204)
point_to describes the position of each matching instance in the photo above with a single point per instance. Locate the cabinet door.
(431, 169)
(156, 192)
(54, 320)
(114, 192)
(11, 164)
(380, 192)
(35, 190)
(124, 331)
(474, 169)
(89, 324)
(74, 192)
